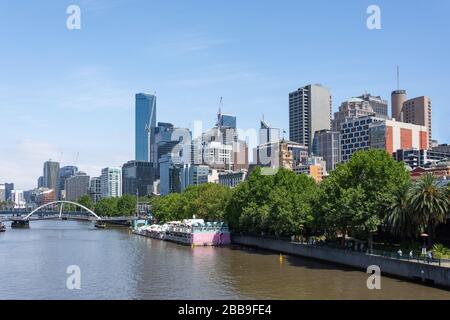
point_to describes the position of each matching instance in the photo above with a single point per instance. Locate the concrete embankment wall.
(415, 271)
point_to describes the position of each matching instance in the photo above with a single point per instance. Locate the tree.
(86, 201)
(400, 219)
(106, 207)
(126, 205)
(430, 203)
(355, 199)
(277, 204)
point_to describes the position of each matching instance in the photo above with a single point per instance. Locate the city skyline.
(82, 101)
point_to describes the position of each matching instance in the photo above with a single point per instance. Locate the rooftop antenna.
(398, 77)
(220, 112)
(76, 159)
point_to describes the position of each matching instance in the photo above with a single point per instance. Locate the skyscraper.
(309, 111)
(145, 124)
(40, 182)
(65, 173)
(51, 177)
(95, 189)
(327, 144)
(418, 111)
(77, 186)
(268, 134)
(138, 176)
(9, 187)
(111, 182)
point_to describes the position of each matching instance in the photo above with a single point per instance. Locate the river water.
(115, 264)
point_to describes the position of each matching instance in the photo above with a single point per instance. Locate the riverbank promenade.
(404, 267)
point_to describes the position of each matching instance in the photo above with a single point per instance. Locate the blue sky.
(65, 92)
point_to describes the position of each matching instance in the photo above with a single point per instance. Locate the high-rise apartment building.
(418, 111)
(111, 182)
(77, 186)
(145, 124)
(95, 189)
(51, 177)
(309, 111)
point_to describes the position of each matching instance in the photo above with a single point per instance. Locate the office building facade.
(193, 175)
(415, 158)
(18, 199)
(327, 144)
(232, 179)
(418, 111)
(9, 187)
(309, 111)
(138, 178)
(51, 176)
(77, 186)
(2, 193)
(145, 124)
(65, 173)
(95, 189)
(378, 104)
(372, 132)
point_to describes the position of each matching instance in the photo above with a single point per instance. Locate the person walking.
(430, 256)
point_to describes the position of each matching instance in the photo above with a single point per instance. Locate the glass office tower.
(145, 123)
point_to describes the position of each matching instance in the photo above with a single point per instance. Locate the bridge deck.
(70, 217)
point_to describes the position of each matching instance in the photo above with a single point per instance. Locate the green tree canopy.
(86, 201)
(356, 197)
(126, 205)
(279, 204)
(107, 207)
(429, 202)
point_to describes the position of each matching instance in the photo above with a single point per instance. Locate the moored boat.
(195, 232)
(2, 227)
(100, 225)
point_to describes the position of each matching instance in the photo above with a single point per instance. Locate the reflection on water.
(118, 265)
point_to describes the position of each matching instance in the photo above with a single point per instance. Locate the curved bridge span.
(62, 202)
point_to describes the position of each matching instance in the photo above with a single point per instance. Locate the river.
(115, 264)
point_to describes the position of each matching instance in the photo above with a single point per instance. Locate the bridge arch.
(62, 202)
